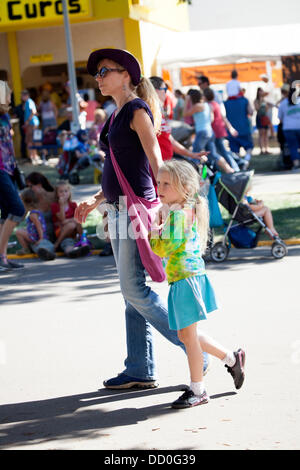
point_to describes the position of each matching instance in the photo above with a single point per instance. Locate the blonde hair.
(146, 91)
(59, 185)
(186, 181)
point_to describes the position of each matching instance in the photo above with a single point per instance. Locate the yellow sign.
(24, 12)
(35, 59)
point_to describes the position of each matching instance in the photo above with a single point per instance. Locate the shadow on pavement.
(71, 417)
(100, 274)
(24, 285)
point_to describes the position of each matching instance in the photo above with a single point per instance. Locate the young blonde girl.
(180, 241)
(63, 210)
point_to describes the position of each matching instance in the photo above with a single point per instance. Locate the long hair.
(186, 181)
(146, 91)
(259, 89)
(195, 95)
(38, 178)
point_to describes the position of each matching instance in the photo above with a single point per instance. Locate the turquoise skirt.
(189, 301)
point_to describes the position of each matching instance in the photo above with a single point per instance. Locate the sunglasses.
(104, 71)
(165, 88)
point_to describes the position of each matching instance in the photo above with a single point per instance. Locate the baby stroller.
(77, 155)
(245, 226)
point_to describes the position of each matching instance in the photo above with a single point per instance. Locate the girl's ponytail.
(146, 91)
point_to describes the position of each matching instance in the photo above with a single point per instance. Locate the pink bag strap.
(150, 260)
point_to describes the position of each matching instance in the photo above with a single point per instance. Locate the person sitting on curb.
(65, 226)
(46, 195)
(36, 229)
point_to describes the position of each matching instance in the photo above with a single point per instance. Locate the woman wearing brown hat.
(131, 134)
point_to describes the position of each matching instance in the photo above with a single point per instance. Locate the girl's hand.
(62, 200)
(83, 210)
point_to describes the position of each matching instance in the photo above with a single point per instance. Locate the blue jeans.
(206, 141)
(292, 138)
(143, 307)
(11, 204)
(221, 149)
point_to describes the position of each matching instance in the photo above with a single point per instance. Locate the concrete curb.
(292, 241)
(33, 256)
(289, 242)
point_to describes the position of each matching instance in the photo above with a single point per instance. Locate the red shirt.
(218, 124)
(164, 140)
(69, 213)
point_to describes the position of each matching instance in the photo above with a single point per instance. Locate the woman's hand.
(83, 210)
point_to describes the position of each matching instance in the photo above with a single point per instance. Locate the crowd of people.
(45, 125)
(225, 126)
(221, 128)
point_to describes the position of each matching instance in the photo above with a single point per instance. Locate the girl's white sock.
(229, 359)
(197, 387)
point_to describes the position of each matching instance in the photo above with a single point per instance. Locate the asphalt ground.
(62, 333)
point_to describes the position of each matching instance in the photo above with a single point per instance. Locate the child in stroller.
(246, 216)
(78, 153)
(261, 210)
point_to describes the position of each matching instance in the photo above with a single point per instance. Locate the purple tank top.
(129, 154)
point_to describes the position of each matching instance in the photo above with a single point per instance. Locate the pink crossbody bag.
(142, 213)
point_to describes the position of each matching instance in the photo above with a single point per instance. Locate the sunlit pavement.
(62, 333)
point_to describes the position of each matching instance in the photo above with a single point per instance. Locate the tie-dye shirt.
(178, 244)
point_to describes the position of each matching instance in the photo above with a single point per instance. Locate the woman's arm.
(196, 108)
(181, 150)
(142, 125)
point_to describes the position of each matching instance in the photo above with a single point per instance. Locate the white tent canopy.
(211, 47)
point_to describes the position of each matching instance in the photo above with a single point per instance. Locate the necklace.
(126, 101)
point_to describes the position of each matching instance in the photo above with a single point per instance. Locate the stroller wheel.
(279, 250)
(219, 252)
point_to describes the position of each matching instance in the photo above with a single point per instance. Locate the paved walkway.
(62, 333)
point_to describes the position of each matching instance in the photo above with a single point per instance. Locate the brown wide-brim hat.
(121, 57)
